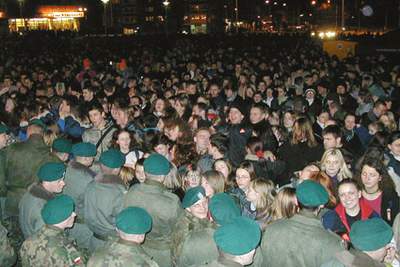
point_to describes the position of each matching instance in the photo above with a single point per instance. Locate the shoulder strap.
(104, 135)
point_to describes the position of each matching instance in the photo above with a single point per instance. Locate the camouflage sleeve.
(75, 257)
(3, 189)
(7, 254)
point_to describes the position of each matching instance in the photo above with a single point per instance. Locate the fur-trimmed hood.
(108, 179)
(37, 190)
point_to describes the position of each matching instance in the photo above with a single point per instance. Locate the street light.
(105, 2)
(166, 4)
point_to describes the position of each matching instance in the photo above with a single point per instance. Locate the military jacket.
(303, 238)
(93, 135)
(222, 262)
(121, 253)
(77, 178)
(22, 163)
(192, 241)
(30, 218)
(103, 202)
(50, 247)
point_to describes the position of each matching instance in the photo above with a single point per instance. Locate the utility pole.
(343, 15)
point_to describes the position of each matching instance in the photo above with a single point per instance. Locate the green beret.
(193, 195)
(58, 209)
(3, 129)
(84, 149)
(51, 171)
(38, 122)
(112, 158)
(134, 220)
(156, 164)
(311, 194)
(62, 145)
(223, 208)
(239, 237)
(371, 234)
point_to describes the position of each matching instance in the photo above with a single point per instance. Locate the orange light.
(313, 2)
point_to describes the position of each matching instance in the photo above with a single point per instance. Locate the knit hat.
(311, 194)
(310, 90)
(62, 145)
(134, 220)
(242, 107)
(371, 234)
(112, 158)
(223, 208)
(239, 237)
(51, 171)
(58, 209)
(156, 164)
(84, 149)
(193, 195)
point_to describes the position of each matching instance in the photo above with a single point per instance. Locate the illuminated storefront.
(52, 18)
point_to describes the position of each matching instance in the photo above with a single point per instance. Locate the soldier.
(61, 148)
(371, 246)
(104, 197)
(163, 206)
(7, 254)
(22, 163)
(237, 242)
(192, 242)
(302, 236)
(132, 225)
(50, 246)
(77, 177)
(51, 177)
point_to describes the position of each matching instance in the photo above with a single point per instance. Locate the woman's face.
(370, 178)
(179, 107)
(349, 196)
(385, 120)
(243, 179)
(207, 187)
(192, 180)
(159, 106)
(222, 168)
(172, 133)
(395, 147)
(9, 107)
(288, 120)
(332, 165)
(252, 195)
(124, 141)
(139, 173)
(162, 149)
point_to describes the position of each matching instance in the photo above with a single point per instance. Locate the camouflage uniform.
(7, 254)
(50, 247)
(121, 253)
(192, 241)
(164, 208)
(30, 206)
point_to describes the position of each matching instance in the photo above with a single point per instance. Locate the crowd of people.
(197, 151)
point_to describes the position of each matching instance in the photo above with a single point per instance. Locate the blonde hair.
(215, 179)
(344, 172)
(285, 204)
(127, 174)
(391, 126)
(172, 180)
(302, 130)
(266, 191)
(50, 134)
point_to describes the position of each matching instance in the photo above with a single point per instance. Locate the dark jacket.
(297, 156)
(237, 138)
(390, 206)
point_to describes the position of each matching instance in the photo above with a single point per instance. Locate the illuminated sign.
(72, 14)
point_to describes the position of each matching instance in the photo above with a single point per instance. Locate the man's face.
(96, 117)
(202, 139)
(54, 186)
(341, 89)
(380, 109)
(214, 91)
(330, 141)
(256, 115)
(87, 95)
(350, 122)
(235, 116)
